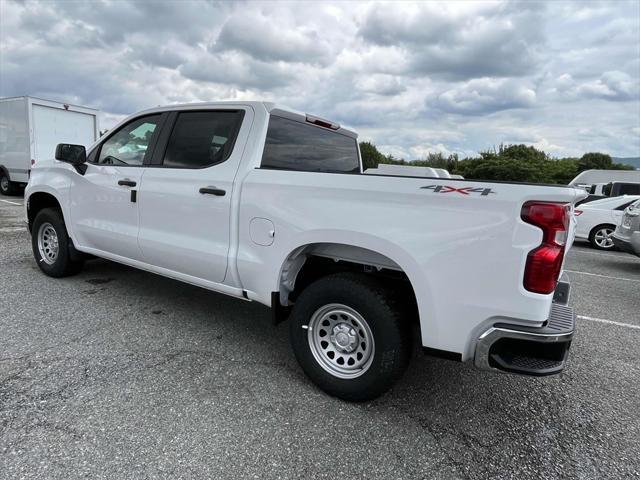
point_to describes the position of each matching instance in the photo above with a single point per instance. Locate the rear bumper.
(528, 351)
(629, 245)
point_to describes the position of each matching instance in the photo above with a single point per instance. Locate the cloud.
(238, 70)
(483, 39)
(616, 86)
(613, 86)
(414, 77)
(259, 37)
(485, 96)
(380, 84)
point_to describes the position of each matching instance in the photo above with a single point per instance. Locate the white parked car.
(270, 205)
(597, 220)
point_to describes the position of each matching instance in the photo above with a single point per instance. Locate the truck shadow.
(218, 317)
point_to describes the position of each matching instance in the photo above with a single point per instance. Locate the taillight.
(544, 263)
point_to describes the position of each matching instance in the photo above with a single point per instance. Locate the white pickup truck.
(270, 205)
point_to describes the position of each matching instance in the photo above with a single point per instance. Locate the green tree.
(520, 163)
(524, 153)
(594, 160)
(371, 157)
(497, 168)
(561, 170)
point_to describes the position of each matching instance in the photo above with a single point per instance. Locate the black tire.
(63, 265)
(594, 239)
(378, 307)
(7, 187)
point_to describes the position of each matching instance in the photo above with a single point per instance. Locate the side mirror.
(73, 154)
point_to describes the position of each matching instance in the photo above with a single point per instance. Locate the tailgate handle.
(126, 182)
(213, 191)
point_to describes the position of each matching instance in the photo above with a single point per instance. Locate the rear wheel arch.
(310, 262)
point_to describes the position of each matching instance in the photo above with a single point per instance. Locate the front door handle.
(127, 183)
(213, 191)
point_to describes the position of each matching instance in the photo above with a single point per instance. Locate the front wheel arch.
(37, 202)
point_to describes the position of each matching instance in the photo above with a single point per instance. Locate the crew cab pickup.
(270, 205)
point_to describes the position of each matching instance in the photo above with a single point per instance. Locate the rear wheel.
(601, 237)
(52, 246)
(349, 337)
(7, 187)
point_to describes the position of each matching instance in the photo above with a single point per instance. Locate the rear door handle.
(213, 191)
(127, 183)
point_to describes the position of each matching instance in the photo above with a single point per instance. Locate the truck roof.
(270, 107)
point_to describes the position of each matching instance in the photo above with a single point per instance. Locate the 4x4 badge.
(463, 191)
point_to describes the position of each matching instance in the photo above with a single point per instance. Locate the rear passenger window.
(202, 139)
(292, 145)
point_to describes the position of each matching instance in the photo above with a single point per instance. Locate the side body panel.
(14, 138)
(54, 178)
(182, 229)
(464, 253)
(103, 217)
(53, 125)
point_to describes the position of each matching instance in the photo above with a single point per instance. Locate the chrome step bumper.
(525, 350)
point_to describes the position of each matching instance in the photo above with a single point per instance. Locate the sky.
(413, 78)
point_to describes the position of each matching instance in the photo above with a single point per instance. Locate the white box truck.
(30, 129)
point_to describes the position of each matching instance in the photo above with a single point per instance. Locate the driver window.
(128, 146)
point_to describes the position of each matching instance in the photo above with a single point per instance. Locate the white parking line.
(597, 253)
(12, 203)
(604, 276)
(610, 322)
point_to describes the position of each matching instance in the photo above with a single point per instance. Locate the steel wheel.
(341, 341)
(603, 239)
(48, 243)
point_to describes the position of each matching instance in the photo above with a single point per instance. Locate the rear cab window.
(293, 145)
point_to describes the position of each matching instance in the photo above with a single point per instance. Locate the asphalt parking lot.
(117, 373)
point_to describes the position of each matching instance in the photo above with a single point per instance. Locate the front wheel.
(349, 336)
(601, 237)
(51, 244)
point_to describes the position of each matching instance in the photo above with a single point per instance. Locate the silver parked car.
(627, 235)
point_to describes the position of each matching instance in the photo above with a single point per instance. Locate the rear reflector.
(545, 262)
(577, 213)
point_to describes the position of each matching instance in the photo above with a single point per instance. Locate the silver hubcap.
(4, 183)
(48, 243)
(603, 238)
(341, 341)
